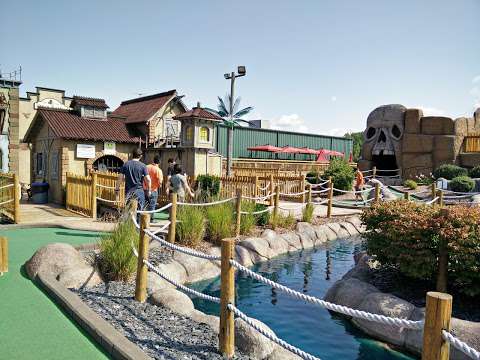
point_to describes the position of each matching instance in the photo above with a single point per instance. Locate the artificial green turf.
(31, 325)
(161, 216)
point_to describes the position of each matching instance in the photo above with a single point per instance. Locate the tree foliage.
(357, 138)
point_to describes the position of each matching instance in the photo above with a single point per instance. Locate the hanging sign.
(109, 148)
(85, 151)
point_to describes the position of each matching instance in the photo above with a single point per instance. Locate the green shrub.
(247, 221)
(307, 213)
(209, 186)
(219, 222)
(411, 184)
(449, 171)
(283, 221)
(342, 174)
(474, 172)
(263, 218)
(116, 259)
(191, 225)
(313, 177)
(406, 236)
(462, 184)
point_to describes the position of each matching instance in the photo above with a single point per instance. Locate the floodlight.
(242, 70)
(226, 76)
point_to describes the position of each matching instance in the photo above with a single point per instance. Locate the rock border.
(355, 291)
(109, 338)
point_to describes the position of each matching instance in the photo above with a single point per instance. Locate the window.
(108, 163)
(204, 134)
(39, 163)
(189, 133)
(98, 113)
(54, 166)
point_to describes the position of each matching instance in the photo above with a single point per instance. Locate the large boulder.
(54, 259)
(357, 222)
(79, 277)
(307, 234)
(259, 246)
(388, 305)
(468, 332)
(293, 240)
(250, 342)
(275, 241)
(211, 320)
(173, 270)
(349, 292)
(242, 255)
(326, 231)
(282, 354)
(437, 125)
(349, 228)
(338, 230)
(196, 268)
(174, 300)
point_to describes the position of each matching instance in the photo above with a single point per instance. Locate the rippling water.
(306, 326)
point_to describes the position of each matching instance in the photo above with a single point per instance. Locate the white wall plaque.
(85, 151)
(109, 148)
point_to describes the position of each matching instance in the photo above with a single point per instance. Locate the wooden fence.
(10, 197)
(472, 143)
(79, 194)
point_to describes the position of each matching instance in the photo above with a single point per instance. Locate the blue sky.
(316, 66)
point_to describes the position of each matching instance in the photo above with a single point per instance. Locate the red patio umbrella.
(269, 148)
(305, 150)
(323, 153)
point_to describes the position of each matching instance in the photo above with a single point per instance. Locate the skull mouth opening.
(384, 162)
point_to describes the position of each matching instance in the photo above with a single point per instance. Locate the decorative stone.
(307, 234)
(173, 270)
(293, 240)
(418, 143)
(275, 241)
(412, 120)
(243, 256)
(327, 231)
(388, 305)
(250, 342)
(174, 300)
(339, 230)
(349, 292)
(79, 277)
(355, 221)
(259, 246)
(351, 230)
(279, 353)
(202, 318)
(54, 259)
(437, 125)
(196, 268)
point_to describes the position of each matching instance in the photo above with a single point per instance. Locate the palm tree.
(231, 116)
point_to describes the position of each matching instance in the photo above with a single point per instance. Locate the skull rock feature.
(383, 137)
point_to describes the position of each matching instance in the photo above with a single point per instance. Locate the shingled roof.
(200, 113)
(68, 125)
(143, 108)
(88, 101)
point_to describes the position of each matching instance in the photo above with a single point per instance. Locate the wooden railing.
(472, 143)
(79, 194)
(10, 197)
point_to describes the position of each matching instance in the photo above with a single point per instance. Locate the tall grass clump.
(191, 226)
(247, 221)
(219, 222)
(307, 213)
(282, 221)
(116, 259)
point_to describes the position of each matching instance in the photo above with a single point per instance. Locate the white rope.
(106, 187)
(319, 184)
(264, 188)
(257, 212)
(294, 194)
(7, 186)
(320, 191)
(460, 345)
(457, 197)
(270, 336)
(107, 201)
(434, 200)
(6, 202)
(321, 202)
(182, 249)
(354, 192)
(261, 198)
(206, 204)
(293, 208)
(169, 205)
(330, 306)
(180, 286)
(162, 229)
(461, 193)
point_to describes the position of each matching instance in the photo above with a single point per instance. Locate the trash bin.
(39, 192)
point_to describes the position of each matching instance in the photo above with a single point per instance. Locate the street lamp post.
(241, 71)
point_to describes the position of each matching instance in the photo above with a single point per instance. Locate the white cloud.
(292, 122)
(333, 98)
(476, 79)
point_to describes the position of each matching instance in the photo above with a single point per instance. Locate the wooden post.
(141, 281)
(227, 296)
(330, 197)
(173, 218)
(374, 172)
(377, 192)
(438, 312)
(406, 196)
(276, 201)
(17, 191)
(309, 194)
(238, 212)
(257, 185)
(302, 188)
(3, 255)
(440, 197)
(271, 189)
(94, 195)
(434, 190)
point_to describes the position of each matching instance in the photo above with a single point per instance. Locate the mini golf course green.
(31, 325)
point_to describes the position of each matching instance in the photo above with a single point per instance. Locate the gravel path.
(158, 331)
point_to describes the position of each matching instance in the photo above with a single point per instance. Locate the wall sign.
(109, 148)
(85, 151)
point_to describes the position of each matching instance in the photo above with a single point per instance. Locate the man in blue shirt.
(133, 173)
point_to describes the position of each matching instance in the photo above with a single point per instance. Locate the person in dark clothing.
(134, 173)
(171, 165)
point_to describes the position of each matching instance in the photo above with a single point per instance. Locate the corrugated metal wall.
(247, 137)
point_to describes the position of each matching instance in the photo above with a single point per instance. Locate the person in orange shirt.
(359, 183)
(156, 176)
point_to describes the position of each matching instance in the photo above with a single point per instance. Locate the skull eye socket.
(396, 132)
(370, 133)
